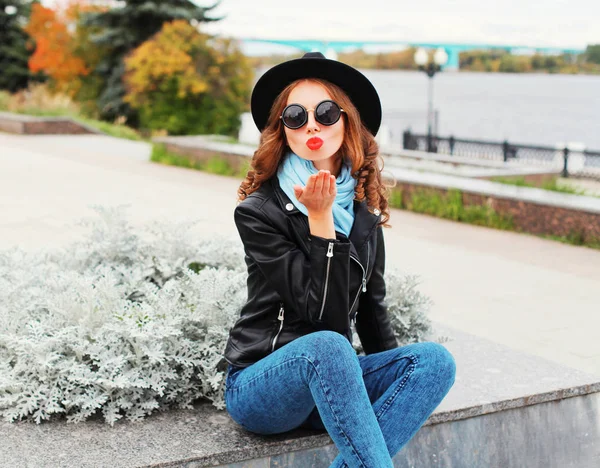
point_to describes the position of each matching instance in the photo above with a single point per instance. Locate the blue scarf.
(295, 170)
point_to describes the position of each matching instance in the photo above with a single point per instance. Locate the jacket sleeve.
(316, 286)
(372, 321)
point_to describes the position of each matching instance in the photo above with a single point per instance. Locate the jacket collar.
(364, 220)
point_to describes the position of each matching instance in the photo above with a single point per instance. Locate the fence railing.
(570, 161)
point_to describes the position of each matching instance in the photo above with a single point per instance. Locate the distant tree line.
(505, 62)
(475, 60)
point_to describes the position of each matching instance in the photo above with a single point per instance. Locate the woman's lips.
(314, 143)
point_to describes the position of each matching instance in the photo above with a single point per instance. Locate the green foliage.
(15, 46)
(504, 61)
(38, 99)
(496, 60)
(161, 155)
(515, 64)
(482, 61)
(214, 165)
(396, 60)
(4, 100)
(41, 101)
(395, 199)
(449, 206)
(549, 184)
(592, 53)
(274, 59)
(187, 82)
(112, 129)
(125, 27)
(576, 238)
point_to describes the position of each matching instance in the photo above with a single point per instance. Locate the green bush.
(112, 129)
(186, 82)
(214, 165)
(449, 206)
(193, 115)
(577, 238)
(4, 100)
(549, 184)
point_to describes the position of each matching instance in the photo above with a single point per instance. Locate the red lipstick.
(314, 143)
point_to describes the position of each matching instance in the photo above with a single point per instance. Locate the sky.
(555, 23)
(542, 23)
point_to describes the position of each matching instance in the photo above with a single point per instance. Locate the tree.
(184, 81)
(64, 51)
(124, 28)
(54, 47)
(14, 45)
(515, 64)
(592, 53)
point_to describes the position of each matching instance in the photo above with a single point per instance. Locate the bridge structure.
(331, 48)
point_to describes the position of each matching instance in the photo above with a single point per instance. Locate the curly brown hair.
(359, 146)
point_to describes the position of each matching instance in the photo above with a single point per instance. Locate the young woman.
(310, 217)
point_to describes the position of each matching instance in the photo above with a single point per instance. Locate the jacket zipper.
(329, 255)
(364, 281)
(280, 318)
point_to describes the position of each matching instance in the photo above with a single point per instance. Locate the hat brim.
(357, 86)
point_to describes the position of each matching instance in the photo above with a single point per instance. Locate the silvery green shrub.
(131, 320)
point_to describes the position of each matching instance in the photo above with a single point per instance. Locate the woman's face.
(304, 141)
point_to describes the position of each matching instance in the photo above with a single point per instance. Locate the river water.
(543, 109)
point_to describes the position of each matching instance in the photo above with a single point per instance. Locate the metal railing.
(571, 162)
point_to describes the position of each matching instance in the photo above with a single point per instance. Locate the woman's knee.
(438, 360)
(325, 344)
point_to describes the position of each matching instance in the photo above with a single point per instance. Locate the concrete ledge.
(201, 148)
(533, 210)
(500, 397)
(33, 125)
(498, 190)
(466, 167)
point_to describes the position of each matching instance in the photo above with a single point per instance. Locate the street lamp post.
(431, 68)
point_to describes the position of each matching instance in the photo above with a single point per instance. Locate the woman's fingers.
(325, 186)
(332, 186)
(310, 184)
(319, 183)
(319, 191)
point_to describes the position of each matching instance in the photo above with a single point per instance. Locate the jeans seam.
(400, 386)
(333, 412)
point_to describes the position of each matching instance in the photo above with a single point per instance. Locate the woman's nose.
(312, 125)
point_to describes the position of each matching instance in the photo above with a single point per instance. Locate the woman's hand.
(318, 195)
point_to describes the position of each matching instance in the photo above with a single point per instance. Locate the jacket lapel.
(364, 222)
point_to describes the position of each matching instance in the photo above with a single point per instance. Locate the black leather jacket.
(299, 283)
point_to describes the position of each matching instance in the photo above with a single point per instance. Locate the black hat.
(314, 65)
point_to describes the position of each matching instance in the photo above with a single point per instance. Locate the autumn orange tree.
(63, 50)
(187, 82)
(54, 47)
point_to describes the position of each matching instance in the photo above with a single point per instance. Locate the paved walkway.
(531, 294)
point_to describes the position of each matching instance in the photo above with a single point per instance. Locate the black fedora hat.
(359, 89)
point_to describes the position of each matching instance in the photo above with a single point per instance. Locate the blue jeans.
(371, 406)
